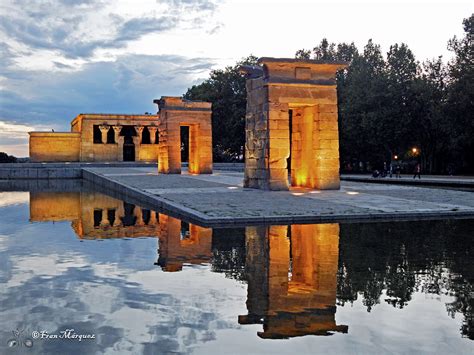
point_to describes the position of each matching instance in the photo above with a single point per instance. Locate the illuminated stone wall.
(175, 113)
(306, 90)
(104, 217)
(107, 151)
(79, 144)
(179, 246)
(54, 146)
(292, 284)
(97, 216)
(54, 206)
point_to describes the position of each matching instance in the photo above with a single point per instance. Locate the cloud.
(196, 5)
(59, 58)
(76, 29)
(14, 137)
(42, 100)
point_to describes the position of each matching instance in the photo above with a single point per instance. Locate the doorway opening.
(128, 132)
(290, 135)
(184, 144)
(301, 162)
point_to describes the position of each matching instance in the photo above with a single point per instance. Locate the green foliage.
(460, 95)
(387, 105)
(5, 158)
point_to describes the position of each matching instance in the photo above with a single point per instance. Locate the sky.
(59, 58)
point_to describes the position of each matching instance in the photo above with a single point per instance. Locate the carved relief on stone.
(104, 129)
(117, 130)
(152, 131)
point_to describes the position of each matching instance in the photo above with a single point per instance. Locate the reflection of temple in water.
(291, 273)
(291, 270)
(97, 216)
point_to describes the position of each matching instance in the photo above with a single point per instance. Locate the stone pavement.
(407, 179)
(220, 198)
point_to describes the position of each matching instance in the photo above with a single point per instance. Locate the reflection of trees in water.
(433, 257)
(228, 249)
(399, 258)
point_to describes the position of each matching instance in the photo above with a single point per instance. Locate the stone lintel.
(299, 82)
(113, 116)
(54, 134)
(178, 108)
(294, 71)
(298, 61)
(173, 103)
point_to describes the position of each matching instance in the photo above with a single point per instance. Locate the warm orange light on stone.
(176, 112)
(292, 298)
(97, 216)
(307, 89)
(79, 145)
(175, 250)
(54, 206)
(54, 146)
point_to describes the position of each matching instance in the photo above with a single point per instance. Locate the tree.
(429, 108)
(226, 90)
(5, 158)
(460, 97)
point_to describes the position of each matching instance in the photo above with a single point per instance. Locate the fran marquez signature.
(24, 338)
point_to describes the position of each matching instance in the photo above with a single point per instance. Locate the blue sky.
(63, 57)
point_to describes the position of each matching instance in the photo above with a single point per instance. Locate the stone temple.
(291, 124)
(291, 130)
(118, 137)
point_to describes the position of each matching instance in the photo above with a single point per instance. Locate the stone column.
(139, 130)
(117, 130)
(153, 218)
(152, 131)
(104, 129)
(120, 148)
(139, 214)
(105, 220)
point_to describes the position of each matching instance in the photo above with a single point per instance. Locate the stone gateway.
(291, 124)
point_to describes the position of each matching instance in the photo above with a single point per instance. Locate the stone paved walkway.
(221, 197)
(407, 179)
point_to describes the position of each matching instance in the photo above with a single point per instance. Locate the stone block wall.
(54, 206)
(175, 113)
(54, 146)
(91, 151)
(292, 282)
(177, 249)
(308, 90)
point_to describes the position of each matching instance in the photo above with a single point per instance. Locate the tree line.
(388, 105)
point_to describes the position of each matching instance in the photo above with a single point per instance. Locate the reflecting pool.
(141, 281)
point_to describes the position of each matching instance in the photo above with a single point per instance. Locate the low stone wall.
(229, 166)
(15, 171)
(73, 170)
(43, 172)
(55, 146)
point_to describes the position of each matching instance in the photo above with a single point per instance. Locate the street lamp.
(414, 150)
(395, 157)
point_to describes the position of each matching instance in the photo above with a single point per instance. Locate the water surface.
(141, 281)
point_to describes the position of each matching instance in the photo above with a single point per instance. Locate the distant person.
(417, 171)
(398, 170)
(450, 170)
